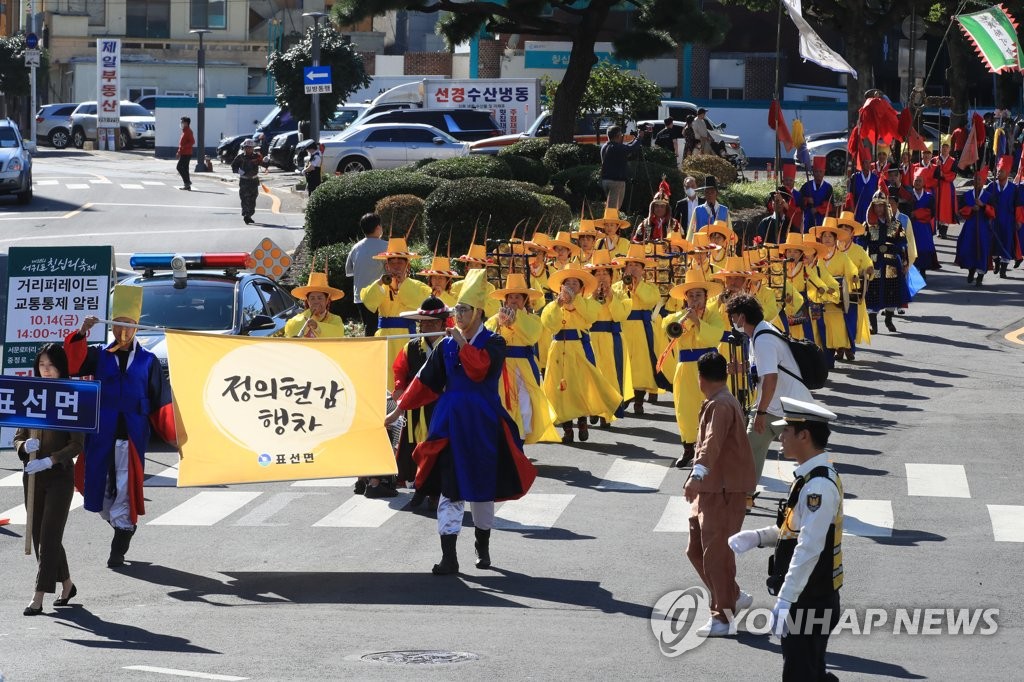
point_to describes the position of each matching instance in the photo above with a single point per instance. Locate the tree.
(655, 27)
(613, 93)
(347, 73)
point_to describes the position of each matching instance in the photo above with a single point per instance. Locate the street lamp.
(314, 124)
(201, 101)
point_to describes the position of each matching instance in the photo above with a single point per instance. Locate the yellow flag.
(797, 132)
(250, 410)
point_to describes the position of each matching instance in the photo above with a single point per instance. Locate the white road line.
(361, 512)
(205, 509)
(154, 183)
(168, 478)
(325, 483)
(867, 518)
(46, 183)
(277, 502)
(777, 476)
(17, 514)
(183, 673)
(130, 185)
(77, 185)
(675, 518)
(1007, 522)
(637, 476)
(937, 480)
(100, 181)
(536, 511)
(12, 481)
(65, 237)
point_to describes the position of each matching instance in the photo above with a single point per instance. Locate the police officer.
(806, 571)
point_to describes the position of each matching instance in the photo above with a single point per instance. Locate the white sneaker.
(744, 601)
(715, 628)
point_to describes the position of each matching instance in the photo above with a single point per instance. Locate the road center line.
(1014, 336)
(183, 673)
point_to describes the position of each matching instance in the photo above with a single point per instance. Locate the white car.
(833, 147)
(387, 145)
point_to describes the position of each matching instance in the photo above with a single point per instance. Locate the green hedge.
(461, 204)
(526, 169)
(554, 210)
(473, 166)
(702, 165)
(662, 157)
(334, 210)
(559, 157)
(533, 148)
(399, 211)
(573, 185)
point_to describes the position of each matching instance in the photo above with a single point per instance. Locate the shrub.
(643, 183)
(554, 210)
(399, 210)
(532, 148)
(334, 210)
(473, 166)
(559, 157)
(494, 206)
(746, 194)
(528, 186)
(416, 165)
(526, 169)
(573, 185)
(701, 165)
(662, 157)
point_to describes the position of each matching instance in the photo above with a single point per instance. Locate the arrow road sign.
(317, 79)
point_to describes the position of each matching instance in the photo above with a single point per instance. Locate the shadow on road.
(835, 661)
(39, 205)
(121, 636)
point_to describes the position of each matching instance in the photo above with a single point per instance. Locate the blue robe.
(862, 191)
(1004, 227)
(703, 216)
(817, 197)
(974, 245)
(927, 258)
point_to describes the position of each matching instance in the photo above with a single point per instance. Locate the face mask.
(691, 192)
(738, 327)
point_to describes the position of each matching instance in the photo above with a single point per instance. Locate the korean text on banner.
(994, 34)
(252, 410)
(513, 101)
(108, 83)
(34, 403)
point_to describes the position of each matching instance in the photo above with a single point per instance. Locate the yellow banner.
(251, 410)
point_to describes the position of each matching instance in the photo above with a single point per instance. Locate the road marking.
(937, 480)
(624, 475)
(77, 185)
(72, 214)
(168, 478)
(205, 509)
(1007, 522)
(12, 481)
(17, 514)
(130, 185)
(536, 511)
(777, 476)
(274, 505)
(867, 518)
(110, 234)
(154, 183)
(100, 181)
(323, 483)
(676, 517)
(1014, 336)
(275, 202)
(46, 183)
(362, 512)
(183, 673)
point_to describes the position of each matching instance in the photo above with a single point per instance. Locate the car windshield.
(8, 138)
(134, 110)
(199, 306)
(342, 119)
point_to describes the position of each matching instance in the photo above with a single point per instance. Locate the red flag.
(915, 141)
(978, 124)
(777, 122)
(853, 145)
(906, 122)
(878, 121)
(969, 156)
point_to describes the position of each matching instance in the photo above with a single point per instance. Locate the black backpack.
(810, 360)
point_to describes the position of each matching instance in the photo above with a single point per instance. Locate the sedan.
(388, 145)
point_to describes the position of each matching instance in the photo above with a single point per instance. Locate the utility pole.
(314, 123)
(201, 102)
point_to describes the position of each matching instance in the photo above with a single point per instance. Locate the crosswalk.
(88, 183)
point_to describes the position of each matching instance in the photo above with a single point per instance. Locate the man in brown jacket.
(723, 474)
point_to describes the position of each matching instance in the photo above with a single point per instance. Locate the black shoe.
(652, 398)
(594, 421)
(29, 611)
(119, 547)
(483, 548)
(376, 492)
(687, 458)
(1016, 263)
(584, 430)
(1002, 270)
(417, 499)
(71, 595)
(567, 434)
(873, 321)
(360, 487)
(970, 276)
(604, 423)
(247, 220)
(888, 322)
(186, 188)
(449, 559)
(638, 403)
(900, 311)
(977, 282)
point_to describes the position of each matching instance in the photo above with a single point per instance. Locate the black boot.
(873, 321)
(483, 548)
(638, 402)
(977, 282)
(449, 559)
(584, 430)
(887, 315)
(1002, 269)
(119, 547)
(970, 276)
(687, 457)
(1016, 263)
(567, 433)
(942, 230)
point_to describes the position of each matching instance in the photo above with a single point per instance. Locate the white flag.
(812, 47)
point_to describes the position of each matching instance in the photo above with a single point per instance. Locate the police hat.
(797, 411)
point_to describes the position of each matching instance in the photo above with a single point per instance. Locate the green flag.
(994, 34)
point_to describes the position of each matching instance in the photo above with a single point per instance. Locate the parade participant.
(794, 201)
(840, 335)
(606, 331)
(473, 450)
(722, 236)
(476, 259)
(659, 223)
(316, 321)
(862, 186)
(974, 244)
(586, 237)
(247, 166)
(822, 289)
(1002, 195)
(432, 316)
(857, 318)
(610, 223)
(686, 206)
(922, 222)
(565, 253)
(793, 318)
(574, 386)
(703, 251)
(816, 195)
(694, 332)
(806, 571)
(710, 211)
(887, 244)
(440, 277)
(363, 268)
(773, 228)
(739, 278)
(520, 388)
(945, 193)
(134, 395)
(638, 328)
(717, 487)
(927, 162)
(882, 164)
(393, 294)
(540, 249)
(49, 458)
(906, 179)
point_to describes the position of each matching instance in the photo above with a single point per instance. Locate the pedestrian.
(134, 397)
(615, 157)
(363, 268)
(773, 373)
(701, 131)
(473, 449)
(816, 195)
(974, 244)
(316, 321)
(247, 166)
(711, 211)
(184, 154)
(48, 455)
(312, 170)
(667, 136)
(722, 475)
(806, 571)
(689, 139)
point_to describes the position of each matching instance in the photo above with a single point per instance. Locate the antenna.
(415, 217)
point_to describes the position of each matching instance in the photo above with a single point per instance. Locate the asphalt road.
(298, 582)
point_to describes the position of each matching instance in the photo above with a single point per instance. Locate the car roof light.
(161, 261)
(241, 261)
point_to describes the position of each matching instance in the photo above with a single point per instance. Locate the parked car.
(148, 102)
(343, 117)
(388, 145)
(282, 150)
(227, 148)
(467, 125)
(836, 156)
(279, 120)
(138, 126)
(52, 124)
(15, 163)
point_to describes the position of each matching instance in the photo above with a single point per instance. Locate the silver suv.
(15, 163)
(138, 126)
(52, 124)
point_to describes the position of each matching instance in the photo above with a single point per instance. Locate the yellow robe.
(575, 387)
(388, 304)
(331, 327)
(492, 305)
(619, 248)
(862, 261)
(836, 334)
(519, 387)
(796, 286)
(612, 312)
(670, 360)
(634, 336)
(819, 278)
(687, 349)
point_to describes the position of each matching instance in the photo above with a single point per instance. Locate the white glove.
(32, 445)
(780, 618)
(744, 541)
(38, 465)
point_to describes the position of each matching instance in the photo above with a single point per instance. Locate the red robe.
(945, 194)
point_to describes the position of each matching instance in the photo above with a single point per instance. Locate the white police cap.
(796, 411)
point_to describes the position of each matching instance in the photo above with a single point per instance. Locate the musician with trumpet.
(692, 331)
(316, 321)
(857, 315)
(606, 331)
(839, 335)
(794, 319)
(638, 327)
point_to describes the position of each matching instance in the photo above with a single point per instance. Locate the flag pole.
(778, 98)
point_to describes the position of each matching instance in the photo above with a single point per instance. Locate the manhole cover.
(420, 657)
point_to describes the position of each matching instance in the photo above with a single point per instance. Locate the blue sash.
(645, 317)
(615, 329)
(693, 355)
(575, 335)
(524, 353)
(396, 323)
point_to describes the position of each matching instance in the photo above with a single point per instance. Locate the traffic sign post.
(317, 80)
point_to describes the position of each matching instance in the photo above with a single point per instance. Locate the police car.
(206, 292)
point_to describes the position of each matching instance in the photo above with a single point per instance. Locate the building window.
(148, 19)
(726, 77)
(95, 9)
(726, 93)
(208, 14)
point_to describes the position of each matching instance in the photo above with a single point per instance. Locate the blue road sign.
(31, 41)
(66, 404)
(316, 75)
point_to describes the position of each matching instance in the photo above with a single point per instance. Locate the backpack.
(810, 360)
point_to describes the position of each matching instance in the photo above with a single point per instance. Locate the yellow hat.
(812, 242)
(587, 229)
(474, 289)
(563, 239)
(736, 266)
(603, 260)
(397, 248)
(721, 227)
(677, 241)
(540, 242)
(441, 267)
(476, 254)
(516, 284)
(127, 302)
(318, 282)
(695, 280)
(637, 253)
(828, 225)
(611, 218)
(882, 147)
(573, 272)
(795, 240)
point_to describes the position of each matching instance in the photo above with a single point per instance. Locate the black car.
(467, 125)
(281, 151)
(229, 147)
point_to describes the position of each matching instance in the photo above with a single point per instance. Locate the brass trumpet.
(674, 330)
(627, 280)
(386, 279)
